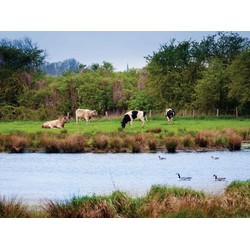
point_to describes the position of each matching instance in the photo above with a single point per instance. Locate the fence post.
(193, 112)
(106, 113)
(236, 112)
(150, 113)
(217, 112)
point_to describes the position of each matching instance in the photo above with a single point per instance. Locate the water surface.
(35, 176)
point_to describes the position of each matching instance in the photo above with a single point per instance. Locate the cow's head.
(65, 119)
(125, 120)
(94, 113)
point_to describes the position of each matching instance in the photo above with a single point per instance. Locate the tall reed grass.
(160, 201)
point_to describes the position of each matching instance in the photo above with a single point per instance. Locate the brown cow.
(86, 114)
(59, 123)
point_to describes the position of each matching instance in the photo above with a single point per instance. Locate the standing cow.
(170, 114)
(59, 123)
(134, 115)
(86, 114)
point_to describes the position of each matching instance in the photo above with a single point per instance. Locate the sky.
(121, 48)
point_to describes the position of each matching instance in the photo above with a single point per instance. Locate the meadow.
(106, 135)
(108, 125)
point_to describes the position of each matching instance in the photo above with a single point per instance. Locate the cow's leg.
(142, 120)
(87, 120)
(131, 123)
(168, 118)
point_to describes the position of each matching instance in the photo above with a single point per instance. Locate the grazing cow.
(59, 123)
(133, 115)
(86, 114)
(170, 114)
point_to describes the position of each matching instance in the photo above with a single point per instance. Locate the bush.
(116, 143)
(17, 143)
(100, 142)
(188, 141)
(171, 143)
(73, 144)
(152, 144)
(201, 139)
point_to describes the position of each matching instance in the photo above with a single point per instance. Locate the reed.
(171, 143)
(116, 143)
(13, 208)
(188, 141)
(73, 144)
(17, 143)
(152, 144)
(100, 142)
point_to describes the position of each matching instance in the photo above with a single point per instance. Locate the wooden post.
(236, 112)
(106, 113)
(217, 112)
(193, 112)
(150, 113)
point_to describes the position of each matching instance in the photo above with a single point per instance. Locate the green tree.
(239, 86)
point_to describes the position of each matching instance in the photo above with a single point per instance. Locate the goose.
(215, 157)
(183, 178)
(219, 178)
(161, 158)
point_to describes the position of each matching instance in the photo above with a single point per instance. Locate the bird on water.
(183, 178)
(216, 178)
(161, 158)
(215, 157)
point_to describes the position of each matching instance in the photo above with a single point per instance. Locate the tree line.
(211, 74)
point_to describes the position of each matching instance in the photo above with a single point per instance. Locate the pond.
(36, 176)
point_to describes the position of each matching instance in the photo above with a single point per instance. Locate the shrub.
(116, 143)
(188, 141)
(128, 141)
(50, 144)
(201, 139)
(152, 144)
(171, 143)
(234, 140)
(100, 142)
(17, 143)
(73, 144)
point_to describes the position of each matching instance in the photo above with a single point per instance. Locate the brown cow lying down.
(59, 123)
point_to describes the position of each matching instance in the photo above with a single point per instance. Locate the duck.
(183, 178)
(219, 178)
(215, 157)
(161, 158)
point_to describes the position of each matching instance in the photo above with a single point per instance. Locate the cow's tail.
(145, 116)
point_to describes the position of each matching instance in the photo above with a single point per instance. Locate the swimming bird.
(161, 158)
(183, 178)
(215, 157)
(219, 178)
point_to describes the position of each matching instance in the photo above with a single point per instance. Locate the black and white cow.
(170, 114)
(134, 115)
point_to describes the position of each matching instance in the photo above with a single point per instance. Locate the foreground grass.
(161, 201)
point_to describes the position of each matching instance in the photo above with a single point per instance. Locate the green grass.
(180, 125)
(160, 201)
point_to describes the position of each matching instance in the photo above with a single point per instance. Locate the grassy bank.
(160, 202)
(105, 135)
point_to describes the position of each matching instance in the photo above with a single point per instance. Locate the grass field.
(181, 125)
(106, 135)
